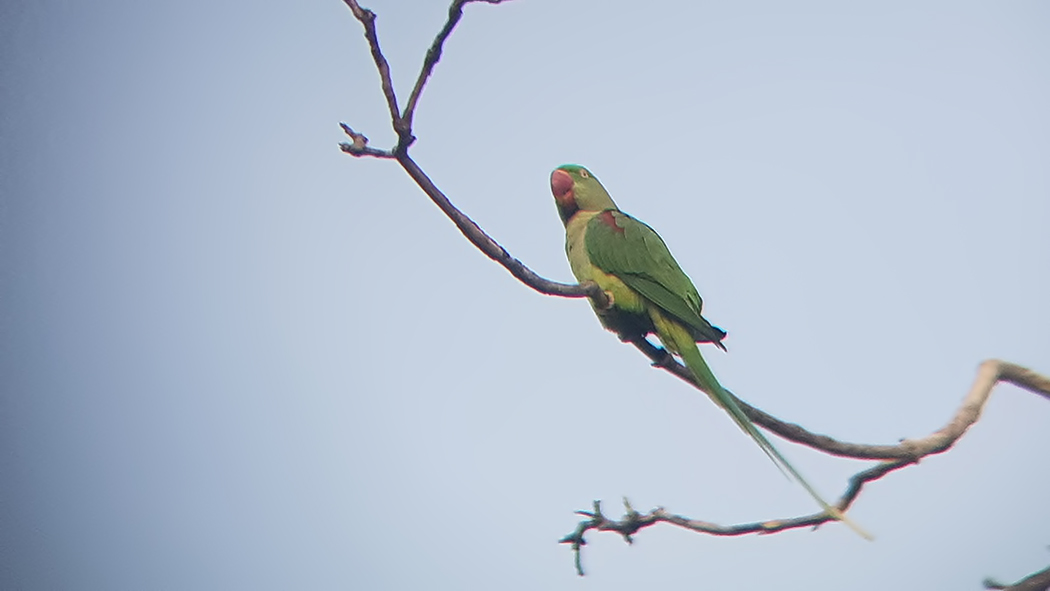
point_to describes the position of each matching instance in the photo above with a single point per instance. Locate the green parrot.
(649, 293)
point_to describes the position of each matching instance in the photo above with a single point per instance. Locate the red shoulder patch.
(609, 219)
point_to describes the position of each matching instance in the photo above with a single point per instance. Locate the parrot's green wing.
(627, 248)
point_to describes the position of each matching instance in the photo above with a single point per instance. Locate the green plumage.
(649, 291)
(620, 245)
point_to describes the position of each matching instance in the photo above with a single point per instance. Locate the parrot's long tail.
(676, 338)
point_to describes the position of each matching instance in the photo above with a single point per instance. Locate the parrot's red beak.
(561, 186)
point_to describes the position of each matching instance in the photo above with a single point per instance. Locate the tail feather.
(678, 340)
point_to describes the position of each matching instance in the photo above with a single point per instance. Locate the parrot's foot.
(666, 359)
(610, 301)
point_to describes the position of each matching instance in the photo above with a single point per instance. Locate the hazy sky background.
(233, 357)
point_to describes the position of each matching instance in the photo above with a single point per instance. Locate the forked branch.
(402, 124)
(909, 452)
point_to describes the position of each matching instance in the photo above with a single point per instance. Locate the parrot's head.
(576, 189)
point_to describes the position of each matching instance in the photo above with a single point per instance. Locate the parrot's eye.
(584, 174)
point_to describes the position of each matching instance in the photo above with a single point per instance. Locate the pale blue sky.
(233, 357)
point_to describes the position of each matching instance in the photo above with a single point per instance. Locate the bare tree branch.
(894, 457)
(908, 452)
(403, 126)
(359, 145)
(402, 122)
(455, 12)
(368, 20)
(969, 411)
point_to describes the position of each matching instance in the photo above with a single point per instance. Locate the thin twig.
(368, 21)
(455, 12)
(633, 521)
(359, 145)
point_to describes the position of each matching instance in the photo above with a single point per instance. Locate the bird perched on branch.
(648, 293)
